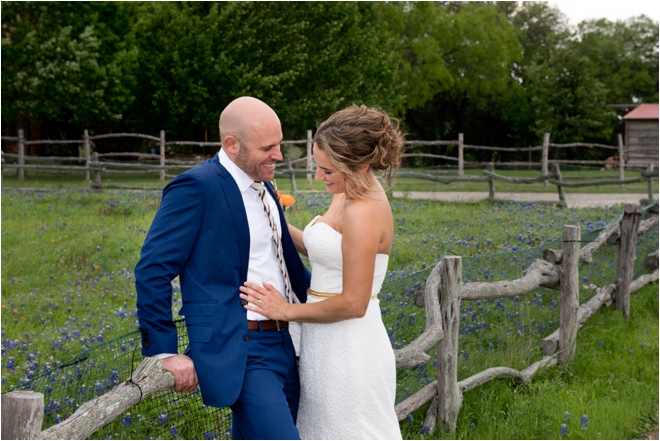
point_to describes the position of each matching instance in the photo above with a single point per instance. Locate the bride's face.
(331, 177)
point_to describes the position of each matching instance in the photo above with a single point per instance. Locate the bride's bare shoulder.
(366, 211)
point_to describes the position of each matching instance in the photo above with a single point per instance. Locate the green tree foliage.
(66, 62)
(503, 73)
(456, 61)
(625, 54)
(305, 59)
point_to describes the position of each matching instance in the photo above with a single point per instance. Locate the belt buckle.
(277, 324)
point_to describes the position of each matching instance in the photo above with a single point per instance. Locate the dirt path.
(572, 199)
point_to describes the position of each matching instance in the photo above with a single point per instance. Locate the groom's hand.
(183, 369)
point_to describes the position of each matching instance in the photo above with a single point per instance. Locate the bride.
(347, 369)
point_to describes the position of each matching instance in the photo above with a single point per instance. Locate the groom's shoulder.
(206, 175)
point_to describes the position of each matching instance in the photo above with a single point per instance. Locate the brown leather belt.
(267, 325)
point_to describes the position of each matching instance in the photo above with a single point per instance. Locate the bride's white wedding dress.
(347, 368)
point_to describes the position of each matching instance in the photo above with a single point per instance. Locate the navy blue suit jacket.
(200, 233)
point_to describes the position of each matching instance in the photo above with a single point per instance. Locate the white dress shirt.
(262, 264)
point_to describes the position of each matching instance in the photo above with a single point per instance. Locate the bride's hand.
(265, 300)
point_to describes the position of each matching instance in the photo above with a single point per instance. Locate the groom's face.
(258, 154)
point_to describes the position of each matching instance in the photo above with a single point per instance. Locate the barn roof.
(643, 111)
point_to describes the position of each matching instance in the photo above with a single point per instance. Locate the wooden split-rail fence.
(98, 163)
(23, 412)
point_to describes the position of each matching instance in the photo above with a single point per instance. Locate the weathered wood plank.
(416, 400)
(414, 353)
(539, 273)
(22, 415)
(604, 297)
(450, 398)
(627, 243)
(148, 378)
(570, 291)
(550, 344)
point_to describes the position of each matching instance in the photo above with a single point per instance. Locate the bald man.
(212, 230)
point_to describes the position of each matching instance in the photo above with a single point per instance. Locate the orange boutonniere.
(286, 200)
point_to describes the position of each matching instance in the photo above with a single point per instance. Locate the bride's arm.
(361, 233)
(297, 236)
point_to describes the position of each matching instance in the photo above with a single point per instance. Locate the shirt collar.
(243, 181)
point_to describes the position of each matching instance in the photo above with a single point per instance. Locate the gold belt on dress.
(326, 295)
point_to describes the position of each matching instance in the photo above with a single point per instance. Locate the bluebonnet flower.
(584, 422)
(174, 431)
(10, 363)
(567, 417)
(564, 429)
(473, 426)
(426, 430)
(409, 418)
(127, 420)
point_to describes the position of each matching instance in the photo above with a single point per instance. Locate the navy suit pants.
(267, 406)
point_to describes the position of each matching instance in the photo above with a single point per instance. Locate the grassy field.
(68, 285)
(151, 180)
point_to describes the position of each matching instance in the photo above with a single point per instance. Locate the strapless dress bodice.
(323, 245)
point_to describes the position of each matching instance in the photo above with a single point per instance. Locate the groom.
(214, 231)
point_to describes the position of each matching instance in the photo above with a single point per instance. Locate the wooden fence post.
(449, 396)
(544, 157)
(621, 160)
(97, 172)
(570, 293)
(460, 157)
(20, 172)
(491, 181)
(289, 168)
(649, 168)
(87, 156)
(162, 155)
(560, 188)
(22, 415)
(624, 268)
(309, 156)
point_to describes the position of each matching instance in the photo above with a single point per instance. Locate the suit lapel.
(238, 214)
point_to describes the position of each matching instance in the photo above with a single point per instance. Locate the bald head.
(251, 133)
(245, 115)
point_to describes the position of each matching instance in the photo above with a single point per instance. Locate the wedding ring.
(259, 304)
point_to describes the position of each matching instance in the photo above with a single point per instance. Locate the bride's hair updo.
(357, 136)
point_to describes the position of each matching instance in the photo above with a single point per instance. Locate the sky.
(578, 10)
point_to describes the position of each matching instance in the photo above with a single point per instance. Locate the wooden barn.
(641, 141)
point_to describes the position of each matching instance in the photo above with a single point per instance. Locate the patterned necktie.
(259, 187)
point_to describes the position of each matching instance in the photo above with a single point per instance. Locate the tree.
(306, 60)
(61, 63)
(626, 57)
(456, 62)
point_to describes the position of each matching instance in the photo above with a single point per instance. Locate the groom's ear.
(231, 145)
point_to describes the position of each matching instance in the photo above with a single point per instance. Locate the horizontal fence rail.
(87, 141)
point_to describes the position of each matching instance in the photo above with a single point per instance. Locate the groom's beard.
(252, 166)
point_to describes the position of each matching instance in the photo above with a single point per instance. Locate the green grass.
(67, 284)
(612, 379)
(151, 180)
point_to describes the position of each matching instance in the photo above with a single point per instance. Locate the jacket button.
(246, 337)
(244, 302)
(146, 344)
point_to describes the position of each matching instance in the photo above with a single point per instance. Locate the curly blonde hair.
(360, 135)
